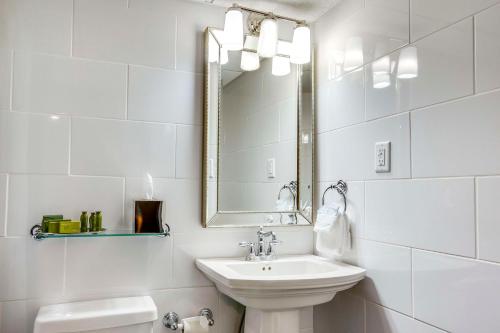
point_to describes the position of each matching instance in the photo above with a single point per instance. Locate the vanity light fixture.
(301, 45)
(233, 29)
(281, 65)
(263, 27)
(249, 61)
(408, 63)
(268, 39)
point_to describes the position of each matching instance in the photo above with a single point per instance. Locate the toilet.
(114, 315)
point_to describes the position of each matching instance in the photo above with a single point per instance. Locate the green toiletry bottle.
(98, 221)
(92, 224)
(84, 222)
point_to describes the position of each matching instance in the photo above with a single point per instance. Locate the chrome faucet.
(264, 250)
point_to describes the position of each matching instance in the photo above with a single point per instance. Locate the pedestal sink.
(275, 291)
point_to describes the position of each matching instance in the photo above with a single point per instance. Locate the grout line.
(70, 121)
(476, 217)
(410, 148)
(72, 34)
(6, 202)
(412, 284)
(127, 90)
(474, 56)
(11, 91)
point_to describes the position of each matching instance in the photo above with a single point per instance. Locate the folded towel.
(333, 235)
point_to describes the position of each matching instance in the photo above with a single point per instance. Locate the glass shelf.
(38, 235)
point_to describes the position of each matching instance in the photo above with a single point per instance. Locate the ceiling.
(308, 10)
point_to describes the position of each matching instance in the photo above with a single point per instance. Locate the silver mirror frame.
(247, 218)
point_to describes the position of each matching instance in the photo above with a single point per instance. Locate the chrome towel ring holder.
(341, 188)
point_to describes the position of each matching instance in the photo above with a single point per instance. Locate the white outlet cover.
(271, 168)
(383, 156)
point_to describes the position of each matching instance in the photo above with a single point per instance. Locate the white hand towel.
(333, 235)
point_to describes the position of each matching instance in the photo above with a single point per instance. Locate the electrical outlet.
(383, 157)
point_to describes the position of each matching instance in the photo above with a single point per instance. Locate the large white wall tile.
(122, 148)
(19, 316)
(488, 218)
(456, 294)
(428, 16)
(5, 78)
(117, 266)
(445, 66)
(488, 49)
(111, 31)
(43, 26)
(348, 153)
(442, 135)
(388, 274)
(383, 320)
(30, 269)
(164, 95)
(188, 152)
(345, 104)
(54, 84)
(344, 314)
(3, 203)
(181, 201)
(31, 197)
(32, 143)
(424, 215)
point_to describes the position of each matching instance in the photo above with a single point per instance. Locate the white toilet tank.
(114, 315)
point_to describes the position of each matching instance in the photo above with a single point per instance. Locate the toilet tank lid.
(94, 315)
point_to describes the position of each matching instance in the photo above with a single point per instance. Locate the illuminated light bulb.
(233, 29)
(408, 63)
(281, 66)
(249, 61)
(268, 38)
(301, 45)
(353, 53)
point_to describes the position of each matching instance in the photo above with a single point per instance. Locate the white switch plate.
(271, 168)
(383, 157)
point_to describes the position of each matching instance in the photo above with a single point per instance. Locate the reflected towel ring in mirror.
(292, 188)
(341, 188)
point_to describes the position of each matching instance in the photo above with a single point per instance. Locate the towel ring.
(291, 187)
(341, 188)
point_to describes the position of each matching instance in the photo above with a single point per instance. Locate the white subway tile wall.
(94, 95)
(431, 226)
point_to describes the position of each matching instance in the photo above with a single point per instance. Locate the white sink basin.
(274, 291)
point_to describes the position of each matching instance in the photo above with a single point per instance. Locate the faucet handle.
(251, 255)
(270, 246)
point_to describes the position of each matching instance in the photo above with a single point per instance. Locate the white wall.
(428, 231)
(125, 80)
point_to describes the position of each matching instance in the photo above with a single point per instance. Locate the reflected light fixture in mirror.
(268, 39)
(381, 73)
(281, 65)
(233, 29)
(408, 63)
(249, 61)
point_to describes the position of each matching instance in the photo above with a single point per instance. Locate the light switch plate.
(271, 168)
(383, 157)
(211, 169)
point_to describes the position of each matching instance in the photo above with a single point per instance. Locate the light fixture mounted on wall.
(264, 31)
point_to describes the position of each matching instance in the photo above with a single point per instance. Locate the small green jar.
(92, 222)
(84, 222)
(98, 221)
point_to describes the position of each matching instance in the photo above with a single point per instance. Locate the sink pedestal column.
(259, 321)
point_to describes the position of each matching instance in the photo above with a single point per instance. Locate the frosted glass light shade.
(268, 38)
(251, 43)
(381, 80)
(233, 29)
(353, 53)
(224, 56)
(301, 46)
(249, 61)
(281, 66)
(408, 63)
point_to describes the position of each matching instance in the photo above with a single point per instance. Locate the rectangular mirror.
(258, 138)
